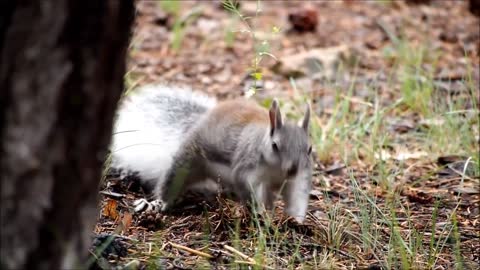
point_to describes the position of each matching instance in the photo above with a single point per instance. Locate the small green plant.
(230, 33)
(384, 2)
(416, 84)
(180, 22)
(261, 47)
(432, 252)
(131, 80)
(170, 6)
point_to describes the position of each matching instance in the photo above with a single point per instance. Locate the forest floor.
(395, 91)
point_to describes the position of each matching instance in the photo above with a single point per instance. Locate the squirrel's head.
(289, 147)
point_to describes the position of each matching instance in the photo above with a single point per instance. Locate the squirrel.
(178, 139)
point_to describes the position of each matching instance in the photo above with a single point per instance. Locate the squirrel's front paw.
(142, 205)
(298, 215)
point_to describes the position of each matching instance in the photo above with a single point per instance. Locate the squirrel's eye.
(309, 150)
(275, 147)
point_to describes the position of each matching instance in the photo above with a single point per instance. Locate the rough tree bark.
(61, 74)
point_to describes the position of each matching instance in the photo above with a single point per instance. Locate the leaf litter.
(428, 192)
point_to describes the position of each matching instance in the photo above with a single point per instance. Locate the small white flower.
(250, 92)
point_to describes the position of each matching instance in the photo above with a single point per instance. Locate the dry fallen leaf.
(304, 19)
(110, 209)
(466, 190)
(417, 196)
(444, 160)
(314, 61)
(126, 221)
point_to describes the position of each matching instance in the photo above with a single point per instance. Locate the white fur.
(144, 141)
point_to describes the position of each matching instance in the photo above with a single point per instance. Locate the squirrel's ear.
(275, 116)
(306, 118)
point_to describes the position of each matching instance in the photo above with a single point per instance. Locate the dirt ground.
(424, 215)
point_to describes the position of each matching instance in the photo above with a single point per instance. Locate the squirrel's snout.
(292, 170)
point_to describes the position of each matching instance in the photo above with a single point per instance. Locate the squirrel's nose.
(292, 170)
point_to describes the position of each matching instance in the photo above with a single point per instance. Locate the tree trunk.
(61, 74)
(474, 7)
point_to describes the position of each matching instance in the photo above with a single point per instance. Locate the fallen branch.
(196, 252)
(239, 253)
(248, 260)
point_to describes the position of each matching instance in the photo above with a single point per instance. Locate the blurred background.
(204, 44)
(422, 57)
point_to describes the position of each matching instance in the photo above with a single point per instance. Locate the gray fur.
(241, 157)
(182, 113)
(179, 140)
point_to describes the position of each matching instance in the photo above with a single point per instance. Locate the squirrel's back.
(150, 126)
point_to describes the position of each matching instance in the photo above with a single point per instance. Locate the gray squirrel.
(177, 140)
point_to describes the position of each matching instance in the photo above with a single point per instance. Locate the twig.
(239, 253)
(226, 253)
(248, 260)
(196, 252)
(112, 194)
(356, 100)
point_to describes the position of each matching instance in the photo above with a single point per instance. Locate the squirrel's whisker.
(125, 131)
(137, 144)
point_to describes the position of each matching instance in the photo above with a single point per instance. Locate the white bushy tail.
(150, 126)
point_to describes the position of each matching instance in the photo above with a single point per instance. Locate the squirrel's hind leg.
(170, 192)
